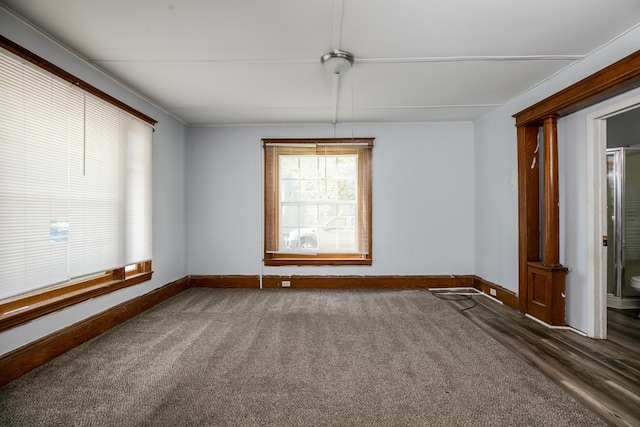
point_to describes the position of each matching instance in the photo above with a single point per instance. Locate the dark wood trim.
(551, 193)
(502, 294)
(312, 260)
(546, 291)
(23, 53)
(369, 282)
(333, 141)
(528, 206)
(22, 360)
(619, 77)
(332, 282)
(357, 282)
(222, 281)
(21, 310)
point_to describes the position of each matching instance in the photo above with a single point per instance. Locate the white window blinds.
(75, 182)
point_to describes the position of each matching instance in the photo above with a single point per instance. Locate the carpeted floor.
(221, 357)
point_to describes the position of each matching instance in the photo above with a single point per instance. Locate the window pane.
(338, 228)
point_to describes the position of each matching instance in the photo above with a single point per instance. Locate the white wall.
(496, 255)
(169, 191)
(496, 199)
(423, 210)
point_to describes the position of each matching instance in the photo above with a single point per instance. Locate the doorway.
(602, 126)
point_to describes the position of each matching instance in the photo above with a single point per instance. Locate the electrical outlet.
(492, 292)
(286, 283)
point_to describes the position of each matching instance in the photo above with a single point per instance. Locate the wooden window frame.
(29, 56)
(24, 308)
(27, 307)
(271, 203)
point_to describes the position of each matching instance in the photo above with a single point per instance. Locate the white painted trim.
(596, 214)
(262, 215)
(596, 227)
(492, 298)
(562, 328)
(622, 303)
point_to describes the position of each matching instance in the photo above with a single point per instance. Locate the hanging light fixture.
(337, 61)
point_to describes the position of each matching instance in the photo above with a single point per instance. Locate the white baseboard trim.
(566, 328)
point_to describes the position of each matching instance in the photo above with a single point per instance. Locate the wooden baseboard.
(506, 296)
(357, 282)
(222, 281)
(22, 360)
(333, 282)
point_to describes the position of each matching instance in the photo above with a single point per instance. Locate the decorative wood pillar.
(542, 283)
(528, 206)
(551, 255)
(546, 291)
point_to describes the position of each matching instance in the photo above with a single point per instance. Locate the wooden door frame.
(619, 77)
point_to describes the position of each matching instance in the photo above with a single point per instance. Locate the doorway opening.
(612, 143)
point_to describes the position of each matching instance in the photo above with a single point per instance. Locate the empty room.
(326, 213)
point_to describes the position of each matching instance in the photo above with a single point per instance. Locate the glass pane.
(309, 167)
(289, 167)
(298, 226)
(631, 221)
(308, 190)
(612, 283)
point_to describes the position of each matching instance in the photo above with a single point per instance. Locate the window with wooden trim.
(318, 201)
(75, 190)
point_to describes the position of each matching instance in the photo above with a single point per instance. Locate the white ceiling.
(215, 62)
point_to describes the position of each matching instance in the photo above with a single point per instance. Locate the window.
(318, 201)
(75, 188)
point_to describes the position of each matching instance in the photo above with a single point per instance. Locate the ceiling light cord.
(338, 62)
(352, 119)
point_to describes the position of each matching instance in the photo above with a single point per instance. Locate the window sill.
(24, 310)
(317, 261)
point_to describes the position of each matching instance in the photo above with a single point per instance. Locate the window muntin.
(318, 201)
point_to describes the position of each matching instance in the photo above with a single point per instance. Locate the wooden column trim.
(552, 308)
(551, 256)
(528, 206)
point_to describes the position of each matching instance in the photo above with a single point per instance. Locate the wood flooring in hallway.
(604, 375)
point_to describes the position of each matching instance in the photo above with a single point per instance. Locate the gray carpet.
(221, 357)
